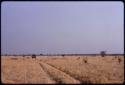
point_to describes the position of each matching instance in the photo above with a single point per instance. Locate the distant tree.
(103, 53)
(119, 60)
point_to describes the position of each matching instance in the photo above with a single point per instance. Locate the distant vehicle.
(33, 56)
(103, 53)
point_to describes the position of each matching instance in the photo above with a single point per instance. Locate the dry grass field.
(59, 69)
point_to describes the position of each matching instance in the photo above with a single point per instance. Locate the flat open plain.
(62, 69)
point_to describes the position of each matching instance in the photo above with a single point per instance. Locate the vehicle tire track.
(36, 75)
(57, 75)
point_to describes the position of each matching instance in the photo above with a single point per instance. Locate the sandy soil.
(59, 69)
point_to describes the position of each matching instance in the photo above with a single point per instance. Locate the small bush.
(119, 60)
(85, 61)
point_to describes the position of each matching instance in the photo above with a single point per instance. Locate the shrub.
(85, 61)
(119, 60)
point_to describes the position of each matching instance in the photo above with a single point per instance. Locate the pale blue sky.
(61, 27)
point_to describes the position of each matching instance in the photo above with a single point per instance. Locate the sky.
(62, 27)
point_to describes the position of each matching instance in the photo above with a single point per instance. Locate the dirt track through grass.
(25, 71)
(58, 70)
(57, 75)
(35, 74)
